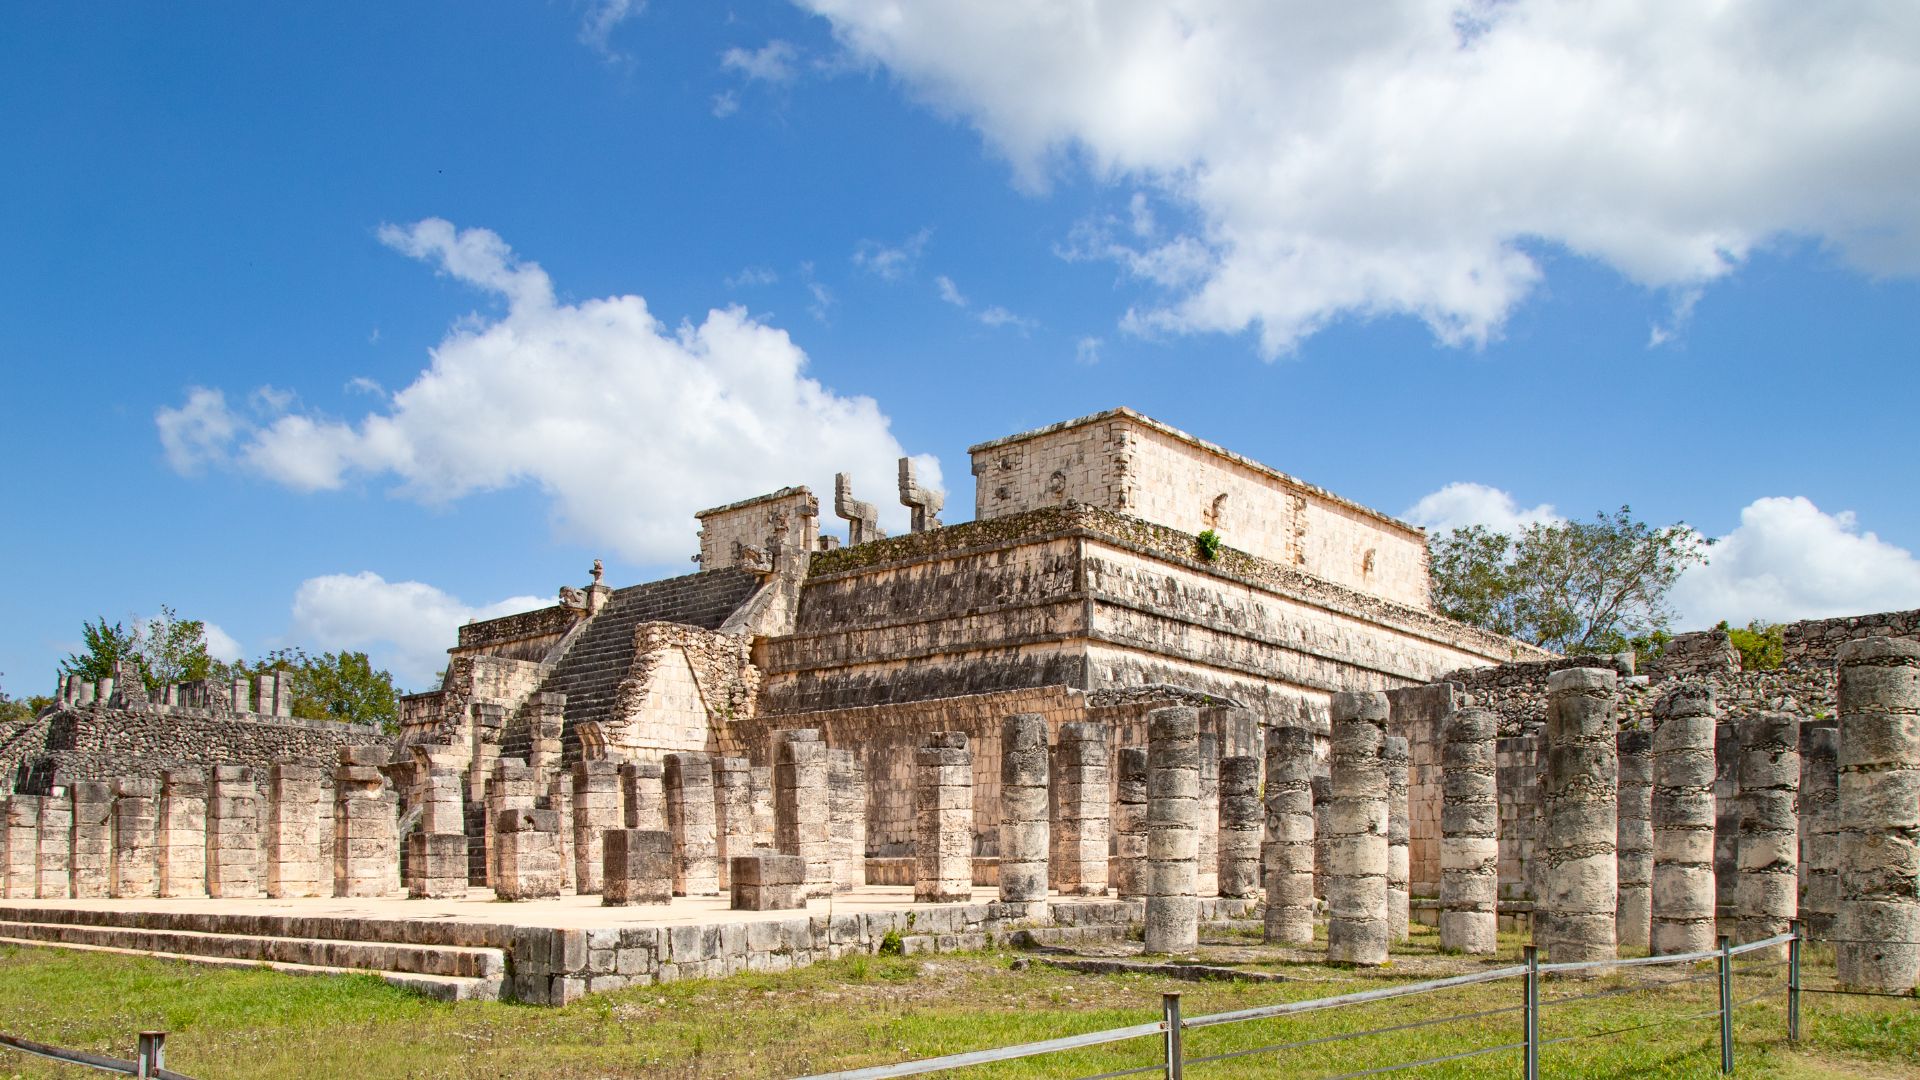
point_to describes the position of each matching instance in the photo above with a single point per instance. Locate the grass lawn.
(864, 1011)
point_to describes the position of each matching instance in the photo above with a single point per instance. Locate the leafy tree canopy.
(1569, 586)
(1762, 645)
(165, 649)
(343, 686)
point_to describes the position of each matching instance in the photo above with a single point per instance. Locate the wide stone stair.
(444, 961)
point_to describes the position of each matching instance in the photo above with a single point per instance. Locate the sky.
(338, 325)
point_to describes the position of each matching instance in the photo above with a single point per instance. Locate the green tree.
(14, 710)
(106, 646)
(343, 686)
(1762, 645)
(1569, 586)
(165, 649)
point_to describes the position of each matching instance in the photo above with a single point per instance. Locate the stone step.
(448, 988)
(438, 961)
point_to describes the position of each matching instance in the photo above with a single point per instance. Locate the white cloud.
(772, 62)
(600, 21)
(1787, 560)
(751, 276)
(996, 316)
(725, 104)
(404, 626)
(220, 644)
(1460, 504)
(892, 263)
(626, 424)
(1359, 160)
(950, 292)
(1087, 350)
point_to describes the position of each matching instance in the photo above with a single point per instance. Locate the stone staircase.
(600, 658)
(444, 961)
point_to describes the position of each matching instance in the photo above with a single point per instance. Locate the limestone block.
(638, 867)
(733, 816)
(1395, 760)
(1082, 796)
(943, 819)
(136, 841)
(1024, 826)
(92, 859)
(297, 804)
(690, 801)
(22, 869)
(643, 796)
(235, 864)
(183, 833)
(596, 809)
(529, 854)
(802, 813)
(1207, 824)
(437, 865)
(767, 882)
(1634, 922)
(366, 842)
(1173, 844)
(1128, 868)
(1819, 825)
(847, 818)
(1290, 834)
(511, 787)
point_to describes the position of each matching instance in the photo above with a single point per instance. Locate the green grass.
(872, 1010)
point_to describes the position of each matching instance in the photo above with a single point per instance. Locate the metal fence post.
(1532, 1021)
(1793, 981)
(152, 1054)
(1170, 1017)
(1726, 1004)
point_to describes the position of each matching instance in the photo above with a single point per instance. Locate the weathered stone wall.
(529, 635)
(741, 533)
(682, 682)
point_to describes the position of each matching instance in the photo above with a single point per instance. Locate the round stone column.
(1173, 838)
(1240, 819)
(1469, 833)
(1819, 825)
(1357, 928)
(1395, 760)
(1583, 776)
(1290, 835)
(1879, 919)
(1683, 819)
(1023, 808)
(1767, 896)
(1634, 926)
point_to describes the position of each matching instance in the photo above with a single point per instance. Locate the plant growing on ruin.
(1209, 544)
(342, 686)
(1762, 645)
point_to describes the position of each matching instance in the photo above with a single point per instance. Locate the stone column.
(1396, 760)
(1583, 817)
(1024, 828)
(1290, 835)
(183, 833)
(1879, 917)
(1683, 820)
(437, 851)
(1083, 794)
(529, 854)
(92, 839)
(1322, 788)
(509, 788)
(639, 867)
(234, 869)
(136, 841)
(22, 868)
(366, 848)
(1766, 900)
(802, 818)
(1633, 925)
(56, 847)
(1819, 826)
(1173, 836)
(1357, 926)
(1129, 866)
(847, 819)
(1207, 825)
(596, 808)
(1240, 819)
(296, 798)
(488, 722)
(643, 798)
(733, 816)
(689, 779)
(1469, 833)
(765, 827)
(546, 723)
(943, 819)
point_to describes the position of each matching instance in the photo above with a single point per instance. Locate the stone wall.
(530, 635)
(744, 533)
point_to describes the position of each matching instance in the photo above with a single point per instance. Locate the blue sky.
(337, 327)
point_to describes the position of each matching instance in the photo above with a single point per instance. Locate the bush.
(1762, 645)
(1209, 544)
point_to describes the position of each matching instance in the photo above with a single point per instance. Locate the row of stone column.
(208, 833)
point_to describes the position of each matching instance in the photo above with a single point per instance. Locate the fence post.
(1726, 1004)
(152, 1054)
(1170, 1017)
(1532, 1021)
(1793, 980)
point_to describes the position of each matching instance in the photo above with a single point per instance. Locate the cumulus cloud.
(1787, 560)
(404, 626)
(220, 644)
(628, 425)
(1460, 504)
(1407, 158)
(772, 62)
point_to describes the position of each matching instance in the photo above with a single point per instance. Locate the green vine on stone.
(1209, 542)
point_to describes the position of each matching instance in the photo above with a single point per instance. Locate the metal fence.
(149, 1062)
(1172, 1027)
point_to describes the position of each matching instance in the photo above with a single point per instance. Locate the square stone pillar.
(1082, 800)
(529, 854)
(437, 853)
(488, 721)
(732, 814)
(92, 839)
(943, 819)
(296, 806)
(510, 788)
(643, 799)
(1128, 869)
(56, 847)
(546, 720)
(637, 867)
(596, 808)
(22, 868)
(760, 778)
(847, 818)
(183, 833)
(234, 869)
(767, 882)
(802, 819)
(690, 819)
(559, 799)
(1207, 863)
(136, 838)
(1025, 829)
(366, 844)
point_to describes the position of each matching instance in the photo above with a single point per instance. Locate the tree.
(343, 686)
(15, 710)
(1569, 586)
(107, 646)
(165, 649)
(1762, 645)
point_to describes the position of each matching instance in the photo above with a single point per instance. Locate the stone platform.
(554, 951)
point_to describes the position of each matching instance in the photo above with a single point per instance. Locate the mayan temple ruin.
(1072, 717)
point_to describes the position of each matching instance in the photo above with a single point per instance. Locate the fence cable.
(1429, 1061)
(1345, 1035)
